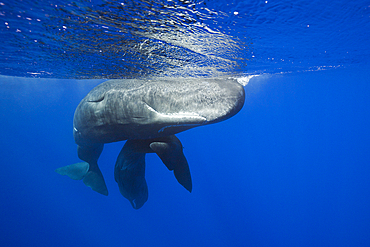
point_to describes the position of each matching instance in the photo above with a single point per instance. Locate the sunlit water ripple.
(125, 39)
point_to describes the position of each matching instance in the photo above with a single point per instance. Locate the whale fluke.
(91, 175)
(75, 171)
(95, 180)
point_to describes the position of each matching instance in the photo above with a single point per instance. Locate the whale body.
(147, 113)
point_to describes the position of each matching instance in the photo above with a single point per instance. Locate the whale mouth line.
(184, 116)
(180, 119)
(178, 125)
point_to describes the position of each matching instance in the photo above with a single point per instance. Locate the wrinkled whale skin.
(118, 110)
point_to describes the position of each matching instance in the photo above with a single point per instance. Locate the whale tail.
(89, 173)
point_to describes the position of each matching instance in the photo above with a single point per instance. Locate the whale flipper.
(170, 152)
(129, 173)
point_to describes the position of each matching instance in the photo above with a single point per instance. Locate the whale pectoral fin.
(171, 154)
(129, 173)
(91, 175)
(75, 171)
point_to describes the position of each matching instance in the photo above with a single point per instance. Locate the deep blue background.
(290, 169)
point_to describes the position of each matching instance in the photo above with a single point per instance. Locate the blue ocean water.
(290, 169)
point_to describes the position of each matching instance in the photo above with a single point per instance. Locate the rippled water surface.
(116, 39)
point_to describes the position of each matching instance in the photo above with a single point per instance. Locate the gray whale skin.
(146, 113)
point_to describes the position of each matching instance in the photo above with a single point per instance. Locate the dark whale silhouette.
(146, 113)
